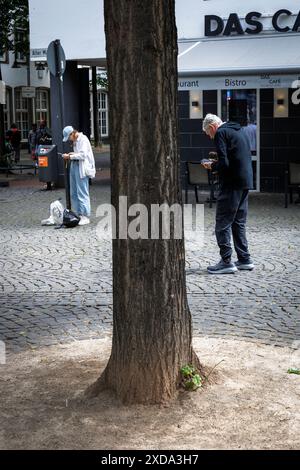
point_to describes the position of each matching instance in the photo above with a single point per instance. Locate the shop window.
(21, 105)
(42, 105)
(239, 106)
(103, 113)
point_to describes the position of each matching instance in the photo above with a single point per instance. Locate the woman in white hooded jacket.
(82, 167)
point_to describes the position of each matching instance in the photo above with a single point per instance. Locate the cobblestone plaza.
(56, 285)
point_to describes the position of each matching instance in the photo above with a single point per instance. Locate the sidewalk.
(56, 286)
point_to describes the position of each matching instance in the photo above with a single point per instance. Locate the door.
(242, 106)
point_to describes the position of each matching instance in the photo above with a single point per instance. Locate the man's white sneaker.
(84, 220)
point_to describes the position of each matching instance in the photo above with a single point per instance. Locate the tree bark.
(152, 332)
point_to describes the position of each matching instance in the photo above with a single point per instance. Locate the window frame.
(44, 113)
(22, 111)
(103, 113)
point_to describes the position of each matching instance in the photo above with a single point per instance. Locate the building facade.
(28, 85)
(241, 60)
(81, 33)
(28, 96)
(27, 93)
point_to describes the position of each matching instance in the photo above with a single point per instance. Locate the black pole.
(60, 77)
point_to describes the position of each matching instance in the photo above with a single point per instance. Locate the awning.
(272, 54)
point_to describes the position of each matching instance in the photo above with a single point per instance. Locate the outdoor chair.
(292, 181)
(200, 178)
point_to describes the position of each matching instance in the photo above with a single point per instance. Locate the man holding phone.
(234, 167)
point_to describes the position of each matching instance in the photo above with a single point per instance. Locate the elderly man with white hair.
(234, 167)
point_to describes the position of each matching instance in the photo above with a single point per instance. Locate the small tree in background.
(14, 17)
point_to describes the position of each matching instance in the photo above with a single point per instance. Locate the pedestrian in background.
(14, 137)
(43, 134)
(32, 142)
(82, 167)
(251, 132)
(234, 167)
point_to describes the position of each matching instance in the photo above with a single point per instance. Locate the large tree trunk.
(152, 331)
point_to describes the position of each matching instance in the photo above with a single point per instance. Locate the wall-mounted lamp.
(196, 104)
(40, 67)
(281, 103)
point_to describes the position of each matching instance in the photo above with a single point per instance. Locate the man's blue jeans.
(79, 190)
(231, 217)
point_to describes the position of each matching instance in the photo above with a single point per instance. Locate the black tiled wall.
(194, 144)
(279, 141)
(280, 137)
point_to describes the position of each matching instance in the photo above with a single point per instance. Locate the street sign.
(2, 92)
(28, 92)
(39, 55)
(56, 58)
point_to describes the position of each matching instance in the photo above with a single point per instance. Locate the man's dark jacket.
(234, 164)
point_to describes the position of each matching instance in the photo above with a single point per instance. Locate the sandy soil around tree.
(250, 403)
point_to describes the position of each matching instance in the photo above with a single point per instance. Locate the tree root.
(97, 387)
(197, 364)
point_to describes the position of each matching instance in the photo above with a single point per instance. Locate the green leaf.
(294, 371)
(14, 17)
(197, 380)
(193, 384)
(187, 370)
(191, 379)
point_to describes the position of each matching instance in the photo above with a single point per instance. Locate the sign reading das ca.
(215, 26)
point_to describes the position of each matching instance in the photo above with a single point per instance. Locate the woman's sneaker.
(222, 267)
(84, 220)
(245, 265)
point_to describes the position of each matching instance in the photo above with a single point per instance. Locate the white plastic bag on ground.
(56, 214)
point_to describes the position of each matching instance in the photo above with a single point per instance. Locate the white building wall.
(81, 28)
(15, 77)
(190, 13)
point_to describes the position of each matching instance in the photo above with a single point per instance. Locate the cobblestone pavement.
(56, 285)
